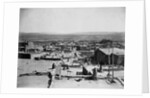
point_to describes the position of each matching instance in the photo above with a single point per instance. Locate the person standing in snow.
(50, 79)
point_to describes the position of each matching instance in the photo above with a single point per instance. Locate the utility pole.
(112, 63)
(108, 62)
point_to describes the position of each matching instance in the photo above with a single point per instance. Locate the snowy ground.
(28, 66)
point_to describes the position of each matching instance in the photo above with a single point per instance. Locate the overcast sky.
(72, 20)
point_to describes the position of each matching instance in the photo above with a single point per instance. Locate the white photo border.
(133, 47)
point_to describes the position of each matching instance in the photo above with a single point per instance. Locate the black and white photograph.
(80, 47)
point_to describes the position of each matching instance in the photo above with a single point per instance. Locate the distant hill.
(75, 37)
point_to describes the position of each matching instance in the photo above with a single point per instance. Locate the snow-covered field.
(28, 66)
